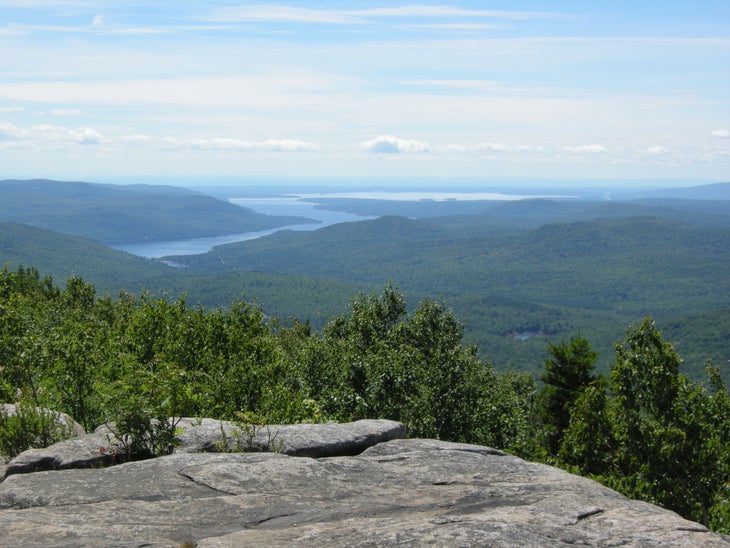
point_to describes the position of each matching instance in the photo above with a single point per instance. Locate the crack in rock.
(198, 482)
(588, 514)
(258, 522)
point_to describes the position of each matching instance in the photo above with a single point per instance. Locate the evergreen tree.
(568, 371)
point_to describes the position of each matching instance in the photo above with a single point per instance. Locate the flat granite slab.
(402, 492)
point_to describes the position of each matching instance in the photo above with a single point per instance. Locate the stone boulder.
(207, 435)
(401, 492)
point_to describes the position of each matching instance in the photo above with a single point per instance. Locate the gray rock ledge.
(207, 435)
(397, 493)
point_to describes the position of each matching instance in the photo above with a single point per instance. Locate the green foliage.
(377, 361)
(588, 441)
(593, 277)
(27, 426)
(243, 438)
(567, 373)
(651, 433)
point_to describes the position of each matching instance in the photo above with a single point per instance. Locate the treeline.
(645, 429)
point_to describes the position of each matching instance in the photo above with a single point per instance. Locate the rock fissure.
(198, 482)
(588, 513)
(693, 529)
(269, 519)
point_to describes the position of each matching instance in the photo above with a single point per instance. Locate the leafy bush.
(28, 426)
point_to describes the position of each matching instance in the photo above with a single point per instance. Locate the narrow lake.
(290, 206)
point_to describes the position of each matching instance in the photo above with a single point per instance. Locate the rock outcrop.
(99, 449)
(394, 492)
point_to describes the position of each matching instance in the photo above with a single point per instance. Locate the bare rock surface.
(300, 440)
(207, 435)
(396, 493)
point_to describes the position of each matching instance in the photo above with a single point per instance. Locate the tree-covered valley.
(519, 273)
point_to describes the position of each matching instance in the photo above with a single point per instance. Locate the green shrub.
(29, 427)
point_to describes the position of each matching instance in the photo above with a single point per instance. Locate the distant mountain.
(532, 213)
(714, 191)
(125, 214)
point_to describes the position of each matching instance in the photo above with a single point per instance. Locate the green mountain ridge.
(596, 264)
(115, 214)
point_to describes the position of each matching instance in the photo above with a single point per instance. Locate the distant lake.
(296, 206)
(289, 206)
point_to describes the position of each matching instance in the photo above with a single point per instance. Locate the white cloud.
(291, 14)
(66, 112)
(657, 150)
(137, 139)
(289, 145)
(56, 135)
(82, 136)
(588, 149)
(491, 147)
(9, 131)
(98, 21)
(720, 133)
(284, 145)
(387, 144)
(13, 108)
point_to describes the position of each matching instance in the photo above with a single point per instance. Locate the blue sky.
(574, 90)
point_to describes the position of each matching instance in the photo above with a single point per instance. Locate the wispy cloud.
(586, 149)
(387, 144)
(66, 112)
(452, 87)
(294, 14)
(657, 149)
(52, 134)
(493, 86)
(280, 145)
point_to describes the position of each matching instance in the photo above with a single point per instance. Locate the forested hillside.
(125, 214)
(518, 273)
(558, 279)
(598, 264)
(142, 362)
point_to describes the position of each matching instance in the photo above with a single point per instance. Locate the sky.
(446, 89)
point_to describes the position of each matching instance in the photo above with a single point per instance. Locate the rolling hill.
(514, 290)
(126, 214)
